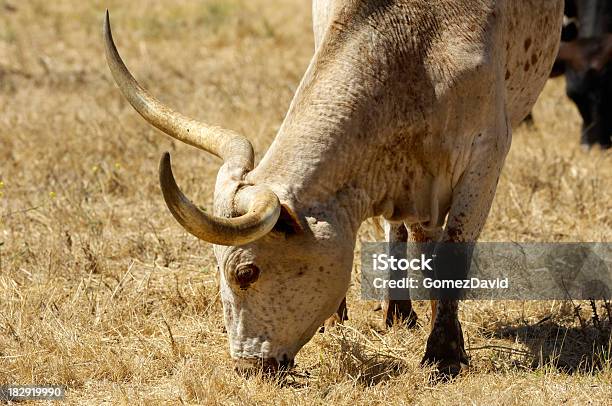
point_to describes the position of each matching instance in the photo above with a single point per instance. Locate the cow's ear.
(288, 222)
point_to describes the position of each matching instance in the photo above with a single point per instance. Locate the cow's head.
(585, 58)
(282, 271)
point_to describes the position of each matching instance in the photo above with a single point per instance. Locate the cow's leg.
(425, 236)
(434, 311)
(338, 317)
(471, 202)
(399, 311)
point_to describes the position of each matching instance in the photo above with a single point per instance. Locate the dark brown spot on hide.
(527, 44)
(455, 234)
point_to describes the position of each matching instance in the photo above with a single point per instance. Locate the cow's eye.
(246, 275)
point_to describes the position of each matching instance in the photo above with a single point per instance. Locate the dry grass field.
(102, 291)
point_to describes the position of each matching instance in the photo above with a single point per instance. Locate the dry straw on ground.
(102, 291)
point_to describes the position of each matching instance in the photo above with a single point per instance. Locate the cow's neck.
(329, 153)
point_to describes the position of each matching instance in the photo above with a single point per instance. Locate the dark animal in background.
(584, 58)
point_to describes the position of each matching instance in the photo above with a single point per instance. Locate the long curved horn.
(225, 144)
(261, 206)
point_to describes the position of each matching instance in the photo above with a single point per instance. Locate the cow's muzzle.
(267, 366)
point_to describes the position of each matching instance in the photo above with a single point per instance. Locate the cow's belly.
(533, 32)
(422, 196)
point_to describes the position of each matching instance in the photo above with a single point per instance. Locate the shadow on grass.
(578, 349)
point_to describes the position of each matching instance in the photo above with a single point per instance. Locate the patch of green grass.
(216, 13)
(7, 32)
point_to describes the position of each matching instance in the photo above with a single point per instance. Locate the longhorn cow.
(404, 112)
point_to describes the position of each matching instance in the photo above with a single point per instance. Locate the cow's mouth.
(267, 366)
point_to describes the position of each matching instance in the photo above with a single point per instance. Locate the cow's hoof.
(446, 350)
(397, 312)
(447, 365)
(445, 369)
